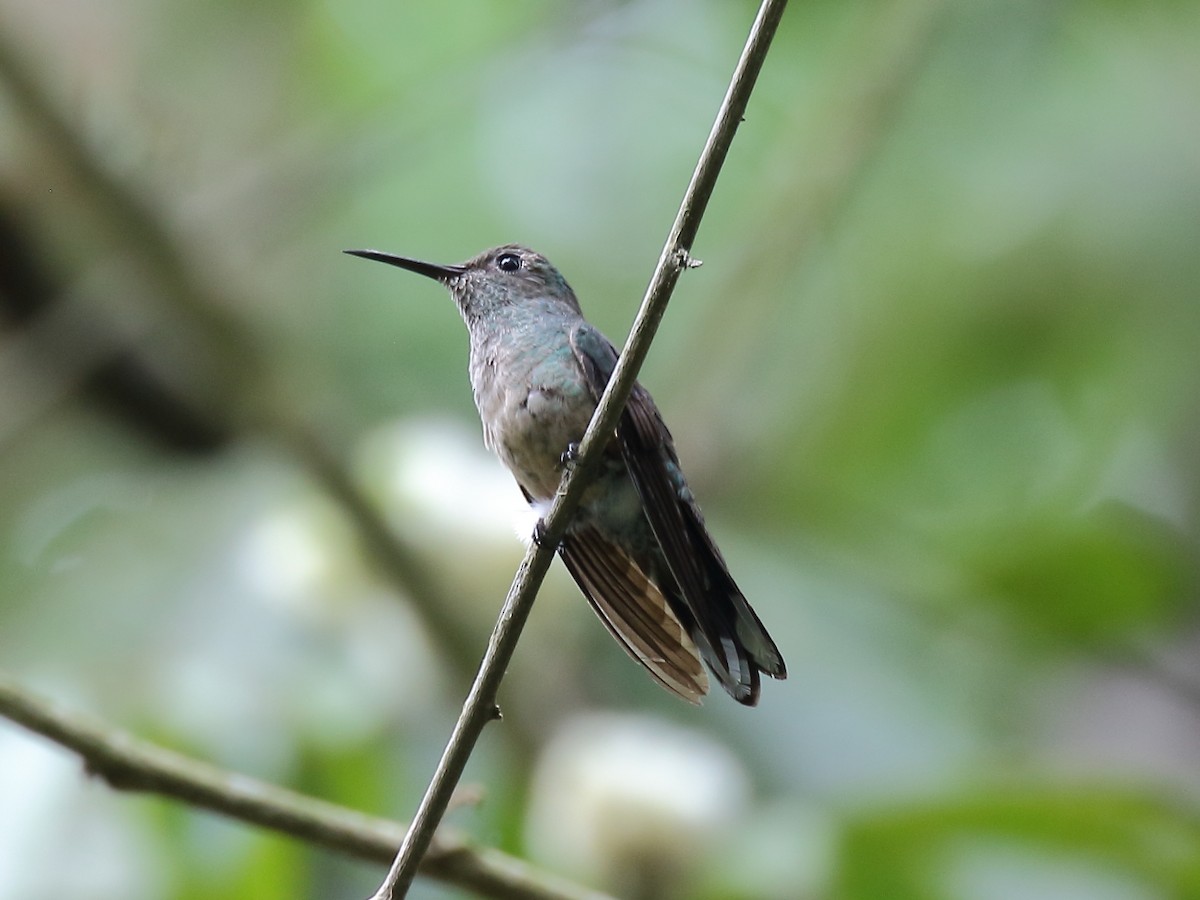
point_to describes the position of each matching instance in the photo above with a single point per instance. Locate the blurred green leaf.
(909, 852)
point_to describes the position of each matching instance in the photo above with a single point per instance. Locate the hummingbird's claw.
(539, 533)
(570, 456)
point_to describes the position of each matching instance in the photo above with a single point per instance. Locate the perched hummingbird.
(637, 546)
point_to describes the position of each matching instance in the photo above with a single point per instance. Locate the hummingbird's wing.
(727, 632)
(635, 612)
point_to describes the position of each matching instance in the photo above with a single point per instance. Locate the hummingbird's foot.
(539, 533)
(570, 456)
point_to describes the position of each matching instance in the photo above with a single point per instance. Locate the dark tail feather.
(742, 626)
(729, 635)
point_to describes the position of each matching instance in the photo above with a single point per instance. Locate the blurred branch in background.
(129, 220)
(129, 764)
(401, 564)
(58, 344)
(196, 400)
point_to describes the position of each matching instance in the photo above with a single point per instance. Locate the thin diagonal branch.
(480, 706)
(129, 764)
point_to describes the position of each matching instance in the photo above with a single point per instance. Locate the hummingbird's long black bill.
(428, 269)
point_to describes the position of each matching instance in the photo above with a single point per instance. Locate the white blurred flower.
(284, 557)
(441, 469)
(632, 801)
(64, 836)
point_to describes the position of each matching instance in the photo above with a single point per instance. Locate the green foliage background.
(935, 385)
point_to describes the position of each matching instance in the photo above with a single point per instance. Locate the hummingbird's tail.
(731, 638)
(667, 631)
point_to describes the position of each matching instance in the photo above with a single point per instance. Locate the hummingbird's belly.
(534, 429)
(530, 428)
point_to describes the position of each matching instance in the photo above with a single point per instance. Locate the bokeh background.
(935, 385)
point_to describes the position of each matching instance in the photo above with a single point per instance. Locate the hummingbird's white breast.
(532, 399)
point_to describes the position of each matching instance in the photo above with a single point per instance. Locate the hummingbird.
(637, 546)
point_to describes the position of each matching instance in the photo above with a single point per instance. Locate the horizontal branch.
(127, 763)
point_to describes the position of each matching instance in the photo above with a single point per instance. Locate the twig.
(129, 764)
(480, 706)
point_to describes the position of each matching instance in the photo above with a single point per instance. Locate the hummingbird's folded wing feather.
(729, 634)
(654, 466)
(635, 612)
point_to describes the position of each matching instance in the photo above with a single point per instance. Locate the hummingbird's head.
(509, 275)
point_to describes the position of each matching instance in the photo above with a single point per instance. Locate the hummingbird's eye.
(508, 262)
